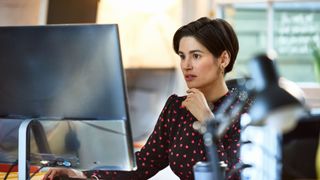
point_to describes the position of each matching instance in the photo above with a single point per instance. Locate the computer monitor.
(70, 77)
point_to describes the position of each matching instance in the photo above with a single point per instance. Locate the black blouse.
(174, 142)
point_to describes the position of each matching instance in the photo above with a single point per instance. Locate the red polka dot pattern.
(174, 142)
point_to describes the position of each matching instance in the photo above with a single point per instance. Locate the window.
(292, 27)
(296, 26)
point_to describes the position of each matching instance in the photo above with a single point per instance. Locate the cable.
(10, 169)
(15, 164)
(37, 171)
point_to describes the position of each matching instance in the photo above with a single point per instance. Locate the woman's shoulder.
(174, 104)
(174, 100)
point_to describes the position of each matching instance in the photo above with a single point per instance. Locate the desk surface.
(14, 175)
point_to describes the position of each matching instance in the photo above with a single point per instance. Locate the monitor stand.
(24, 146)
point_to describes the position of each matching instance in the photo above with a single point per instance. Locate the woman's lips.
(189, 77)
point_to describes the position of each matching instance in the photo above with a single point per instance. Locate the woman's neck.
(215, 92)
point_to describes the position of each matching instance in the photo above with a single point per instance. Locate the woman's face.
(199, 67)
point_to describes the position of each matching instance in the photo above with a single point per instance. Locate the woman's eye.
(196, 56)
(182, 57)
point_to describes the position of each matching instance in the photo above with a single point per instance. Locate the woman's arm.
(152, 158)
(56, 172)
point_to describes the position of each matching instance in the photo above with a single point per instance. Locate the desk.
(4, 168)
(14, 175)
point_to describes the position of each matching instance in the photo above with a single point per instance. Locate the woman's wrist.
(208, 117)
(77, 174)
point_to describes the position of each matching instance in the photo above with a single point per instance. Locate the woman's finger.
(45, 177)
(52, 174)
(184, 103)
(193, 90)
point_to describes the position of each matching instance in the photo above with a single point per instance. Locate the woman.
(207, 49)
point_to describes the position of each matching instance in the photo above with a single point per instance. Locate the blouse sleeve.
(152, 157)
(231, 142)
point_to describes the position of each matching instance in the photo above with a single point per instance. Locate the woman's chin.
(189, 85)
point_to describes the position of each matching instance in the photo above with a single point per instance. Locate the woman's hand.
(197, 104)
(58, 172)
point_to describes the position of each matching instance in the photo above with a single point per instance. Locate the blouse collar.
(214, 105)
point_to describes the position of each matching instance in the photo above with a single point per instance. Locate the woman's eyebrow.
(192, 51)
(195, 51)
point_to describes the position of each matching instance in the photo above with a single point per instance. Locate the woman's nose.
(187, 64)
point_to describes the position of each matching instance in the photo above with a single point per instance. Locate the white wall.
(22, 12)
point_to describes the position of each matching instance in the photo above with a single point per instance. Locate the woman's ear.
(224, 59)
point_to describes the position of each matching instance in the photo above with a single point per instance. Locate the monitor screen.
(67, 72)
(70, 77)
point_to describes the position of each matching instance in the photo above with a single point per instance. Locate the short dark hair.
(217, 35)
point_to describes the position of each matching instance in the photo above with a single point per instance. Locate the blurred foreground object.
(273, 104)
(274, 112)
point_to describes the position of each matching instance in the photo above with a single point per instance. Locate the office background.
(286, 28)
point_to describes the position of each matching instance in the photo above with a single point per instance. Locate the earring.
(222, 69)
